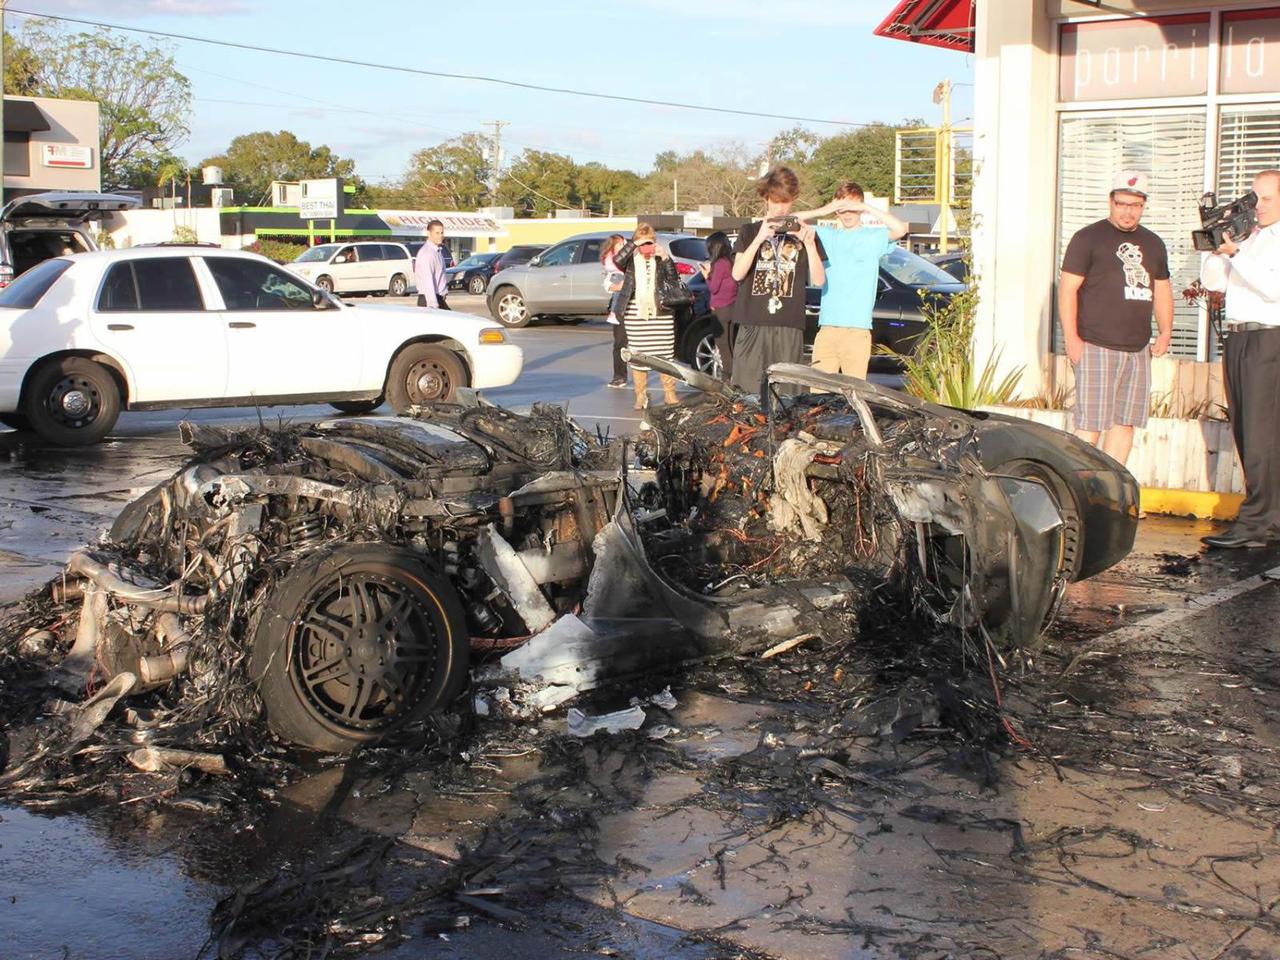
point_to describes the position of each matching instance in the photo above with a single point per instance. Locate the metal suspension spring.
(305, 529)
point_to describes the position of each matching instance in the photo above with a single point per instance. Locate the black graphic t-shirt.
(781, 269)
(1120, 269)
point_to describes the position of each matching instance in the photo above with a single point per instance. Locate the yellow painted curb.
(1195, 503)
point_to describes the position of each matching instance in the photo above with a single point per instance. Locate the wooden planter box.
(1169, 454)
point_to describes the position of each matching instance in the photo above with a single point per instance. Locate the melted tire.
(1069, 562)
(355, 641)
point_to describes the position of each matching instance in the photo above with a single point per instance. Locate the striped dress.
(655, 336)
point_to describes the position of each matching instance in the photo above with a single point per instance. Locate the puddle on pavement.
(81, 885)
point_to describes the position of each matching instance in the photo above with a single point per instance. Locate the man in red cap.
(1115, 276)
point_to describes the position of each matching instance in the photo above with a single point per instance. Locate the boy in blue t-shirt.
(843, 344)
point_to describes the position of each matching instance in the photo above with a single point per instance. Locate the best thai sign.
(1134, 59)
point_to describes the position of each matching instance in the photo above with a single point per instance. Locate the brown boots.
(641, 380)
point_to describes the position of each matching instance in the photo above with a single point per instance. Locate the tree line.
(145, 106)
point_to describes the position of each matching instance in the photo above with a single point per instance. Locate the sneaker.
(619, 383)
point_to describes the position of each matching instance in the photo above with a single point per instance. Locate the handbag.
(671, 292)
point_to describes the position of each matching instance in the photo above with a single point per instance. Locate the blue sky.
(816, 59)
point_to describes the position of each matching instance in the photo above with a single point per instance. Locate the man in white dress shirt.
(1248, 269)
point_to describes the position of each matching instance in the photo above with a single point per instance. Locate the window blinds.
(1169, 147)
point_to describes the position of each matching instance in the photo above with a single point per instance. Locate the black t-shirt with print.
(782, 267)
(1120, 268)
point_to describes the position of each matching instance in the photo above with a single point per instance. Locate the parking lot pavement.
(1119, 821)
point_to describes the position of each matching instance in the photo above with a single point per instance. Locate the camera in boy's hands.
(786, 224)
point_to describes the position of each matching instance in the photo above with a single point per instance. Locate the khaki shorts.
(1112, 387)
(844, 350)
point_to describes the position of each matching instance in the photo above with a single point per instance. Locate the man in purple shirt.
(428, 269)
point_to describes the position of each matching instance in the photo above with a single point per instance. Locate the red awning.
(942, 23)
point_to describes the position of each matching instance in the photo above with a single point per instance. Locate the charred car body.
(364, 567)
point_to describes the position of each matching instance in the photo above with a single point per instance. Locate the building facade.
(1067, 94)
(50, 145)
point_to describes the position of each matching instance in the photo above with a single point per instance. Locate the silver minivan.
(367, 266)
(566, 279)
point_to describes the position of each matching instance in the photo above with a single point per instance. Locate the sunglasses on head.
(645, 243)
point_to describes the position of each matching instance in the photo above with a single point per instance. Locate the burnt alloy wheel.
(325, 284)
(476, 284)
(423, 373)
(71, 402)
(1069, 560)
(398, 285)
(354, 641)
(356, 406)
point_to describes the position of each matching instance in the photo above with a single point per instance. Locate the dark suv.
(520, 253)
(40, 226)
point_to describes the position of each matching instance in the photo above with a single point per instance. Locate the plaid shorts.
(1112, 387)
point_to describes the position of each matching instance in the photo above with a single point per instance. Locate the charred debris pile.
(746, 512)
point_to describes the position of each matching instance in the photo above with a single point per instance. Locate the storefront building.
(50, 145)
(1067, 94)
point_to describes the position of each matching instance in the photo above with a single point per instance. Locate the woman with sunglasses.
(650, 328)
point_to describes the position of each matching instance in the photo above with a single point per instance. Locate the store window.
(1116, 78)
(1170, 147)
(1248, 143)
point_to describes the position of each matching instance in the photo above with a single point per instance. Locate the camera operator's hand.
(1161, 346)
(1075, 349)
(1229, 246)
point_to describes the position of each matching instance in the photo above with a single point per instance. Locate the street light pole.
(2, 103)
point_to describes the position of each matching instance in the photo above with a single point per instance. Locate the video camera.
(1237, 218)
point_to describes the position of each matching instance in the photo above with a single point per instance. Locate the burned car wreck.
(359, 572)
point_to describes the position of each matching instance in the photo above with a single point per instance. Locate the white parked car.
(85, 336)
(365, 267)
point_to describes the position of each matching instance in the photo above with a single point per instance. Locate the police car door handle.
(119, 326)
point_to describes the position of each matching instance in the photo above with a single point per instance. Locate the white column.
(1014, 208)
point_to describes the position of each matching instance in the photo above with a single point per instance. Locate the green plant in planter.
(943, 368)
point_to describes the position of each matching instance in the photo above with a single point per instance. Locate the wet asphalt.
(1111, 857)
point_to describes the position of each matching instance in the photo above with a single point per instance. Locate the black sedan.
(896, 319)
(472, 274)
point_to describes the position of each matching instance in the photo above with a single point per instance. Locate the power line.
(563, 206)
(479, 78)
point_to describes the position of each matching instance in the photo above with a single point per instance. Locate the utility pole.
(495, 156)
(942, 95)
(2, 103)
